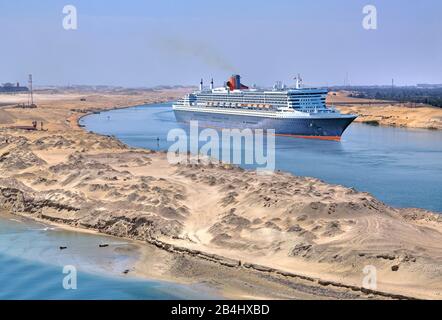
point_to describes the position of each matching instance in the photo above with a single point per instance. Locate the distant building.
(429, 86)
(12, 88)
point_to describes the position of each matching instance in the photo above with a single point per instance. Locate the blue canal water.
(31, 266)
(402, 167)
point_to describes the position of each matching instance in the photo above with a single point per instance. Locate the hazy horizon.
(116, 86)
(147, 43)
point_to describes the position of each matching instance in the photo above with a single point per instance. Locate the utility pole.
(31, 93)
(346, 80)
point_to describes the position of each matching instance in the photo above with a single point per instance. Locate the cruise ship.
(300, 112)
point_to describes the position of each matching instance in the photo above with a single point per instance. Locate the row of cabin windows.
(227, 97)
(260, 94)
(247, 101)
(241, 97)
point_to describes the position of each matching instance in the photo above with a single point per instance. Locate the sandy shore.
(248, 235)
(404, 115)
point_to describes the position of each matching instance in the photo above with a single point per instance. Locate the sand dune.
(250, 235)
(397, 115)
(289, 223)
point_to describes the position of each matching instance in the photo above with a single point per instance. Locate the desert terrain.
(248, 235)
(406, 115)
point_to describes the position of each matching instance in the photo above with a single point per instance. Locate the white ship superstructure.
(300, 111)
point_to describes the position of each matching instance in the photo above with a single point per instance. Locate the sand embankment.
(405, 115)
(278, 236)
(61, 110)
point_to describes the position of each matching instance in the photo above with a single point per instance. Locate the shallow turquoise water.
(31, 266)
(402, 167)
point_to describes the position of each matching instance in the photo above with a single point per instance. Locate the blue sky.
(146, 43)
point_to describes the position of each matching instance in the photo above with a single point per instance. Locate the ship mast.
(298, 81)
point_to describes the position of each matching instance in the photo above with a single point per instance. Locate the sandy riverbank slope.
(396, 114)
(60, 110)
(250, 235)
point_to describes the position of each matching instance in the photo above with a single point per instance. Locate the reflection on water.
(402, 167)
